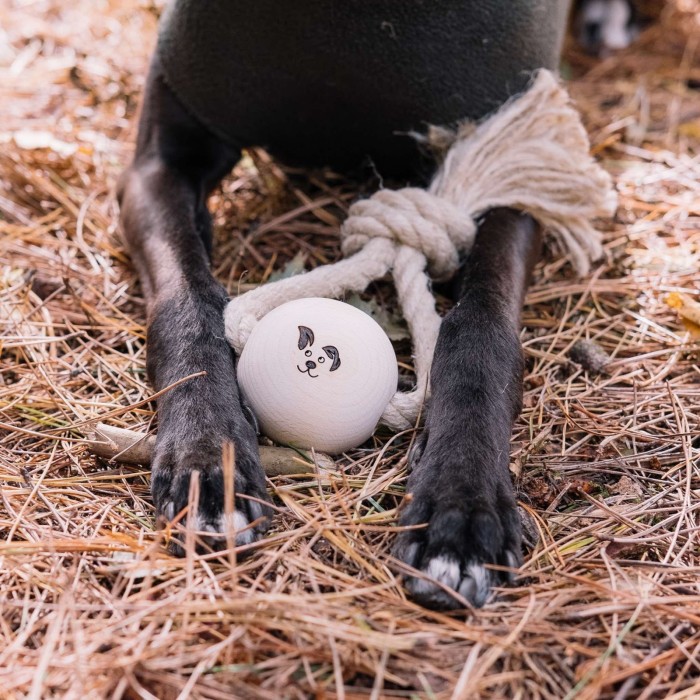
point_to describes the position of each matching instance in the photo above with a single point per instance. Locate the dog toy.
(318, 373)
(531, 155)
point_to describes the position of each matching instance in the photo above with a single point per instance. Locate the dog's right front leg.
(166, 225)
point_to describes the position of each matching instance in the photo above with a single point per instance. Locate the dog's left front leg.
(460, 488)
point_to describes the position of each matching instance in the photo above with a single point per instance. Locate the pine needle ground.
(606, 464)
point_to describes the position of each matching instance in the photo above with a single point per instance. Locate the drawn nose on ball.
(310, 364)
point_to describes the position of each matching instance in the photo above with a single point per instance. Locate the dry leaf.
(688, 309)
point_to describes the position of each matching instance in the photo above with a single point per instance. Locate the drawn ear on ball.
(306, 337)
(333, 353)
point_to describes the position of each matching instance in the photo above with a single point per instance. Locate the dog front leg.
(166, 225)
(460, 486)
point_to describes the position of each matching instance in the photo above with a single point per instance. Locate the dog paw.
(457, 544)
(173, 467)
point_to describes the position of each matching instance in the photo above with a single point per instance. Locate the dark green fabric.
(332, 80)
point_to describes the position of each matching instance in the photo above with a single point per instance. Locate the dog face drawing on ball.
(330, 361)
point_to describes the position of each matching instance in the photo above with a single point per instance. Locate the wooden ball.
(318, 373)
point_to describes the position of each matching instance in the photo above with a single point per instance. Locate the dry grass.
(608, 605)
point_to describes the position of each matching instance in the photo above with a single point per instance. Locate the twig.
(131, 447)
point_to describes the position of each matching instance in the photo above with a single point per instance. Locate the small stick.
(131, 447)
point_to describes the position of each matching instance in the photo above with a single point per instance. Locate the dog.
(336, 82)
(601, 26)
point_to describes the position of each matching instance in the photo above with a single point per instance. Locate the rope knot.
(531, 155)
(415, 218)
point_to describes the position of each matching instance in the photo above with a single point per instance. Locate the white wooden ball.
(318, 373)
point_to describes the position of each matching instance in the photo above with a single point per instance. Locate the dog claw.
(455, 550)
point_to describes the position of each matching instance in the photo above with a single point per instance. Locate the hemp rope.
(531, 155)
